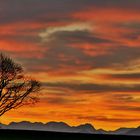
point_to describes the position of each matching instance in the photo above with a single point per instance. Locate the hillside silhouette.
(63, 127)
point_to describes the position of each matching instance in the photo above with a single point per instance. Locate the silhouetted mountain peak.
(86, 128)
(60, 124)
(22, 123)
(102, 131)
(134, 131)
(138, 127)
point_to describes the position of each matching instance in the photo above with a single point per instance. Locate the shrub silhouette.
(15, 87)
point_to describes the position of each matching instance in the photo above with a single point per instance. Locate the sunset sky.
(86, 53)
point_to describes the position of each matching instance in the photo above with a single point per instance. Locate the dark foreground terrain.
(42, 135)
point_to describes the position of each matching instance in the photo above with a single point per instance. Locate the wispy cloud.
(45, 35)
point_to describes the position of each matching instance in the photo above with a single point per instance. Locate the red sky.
(86, 54)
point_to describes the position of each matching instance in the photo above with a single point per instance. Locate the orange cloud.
(111, 15)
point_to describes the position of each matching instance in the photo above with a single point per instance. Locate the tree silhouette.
(15, 87)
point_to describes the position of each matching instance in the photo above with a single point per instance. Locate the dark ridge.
(64, 127)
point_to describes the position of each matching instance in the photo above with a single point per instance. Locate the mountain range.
(63, 127)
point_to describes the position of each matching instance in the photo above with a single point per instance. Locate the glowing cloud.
(45, 35)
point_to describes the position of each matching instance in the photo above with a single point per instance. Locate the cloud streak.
(95, 88)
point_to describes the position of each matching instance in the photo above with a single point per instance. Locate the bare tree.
(15, 87)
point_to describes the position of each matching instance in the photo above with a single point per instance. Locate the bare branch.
(15, 88)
